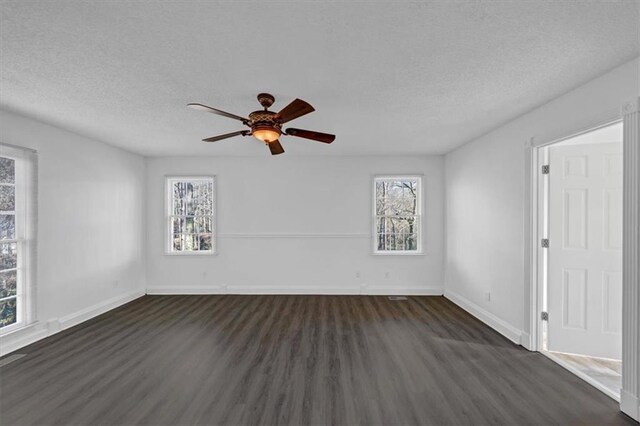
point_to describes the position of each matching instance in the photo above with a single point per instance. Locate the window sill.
(191, 253)
(16, 328)
(398, 253)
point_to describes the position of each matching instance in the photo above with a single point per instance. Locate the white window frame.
(25, 237)
(169, 180)
(374, 231)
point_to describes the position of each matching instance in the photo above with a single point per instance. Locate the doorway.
(581, 255)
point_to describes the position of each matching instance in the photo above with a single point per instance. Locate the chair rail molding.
(630, 392)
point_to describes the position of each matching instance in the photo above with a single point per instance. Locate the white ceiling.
(385, 77)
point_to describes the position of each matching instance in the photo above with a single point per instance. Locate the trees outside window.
(17, 236)
(190, 224)
(8, 243)
(398, 205)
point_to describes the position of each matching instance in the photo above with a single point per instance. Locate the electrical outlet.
(357, 274)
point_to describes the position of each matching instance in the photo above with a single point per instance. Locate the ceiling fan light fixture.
(266, 134)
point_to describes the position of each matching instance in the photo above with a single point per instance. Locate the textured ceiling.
(386, 77)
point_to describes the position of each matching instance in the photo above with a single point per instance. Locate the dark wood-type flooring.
(291, 360)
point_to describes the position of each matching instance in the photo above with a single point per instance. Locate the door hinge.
(544, 243)
(545, 169)
(544, 316)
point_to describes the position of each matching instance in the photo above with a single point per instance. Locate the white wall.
(295, 225)
(486, 206)
(90, 225)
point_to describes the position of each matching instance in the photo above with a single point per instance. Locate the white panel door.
(585, 250)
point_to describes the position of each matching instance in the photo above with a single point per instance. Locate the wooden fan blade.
(297, 108)
(205, 108)
(225, 136)
(275, 147)
(309, 134)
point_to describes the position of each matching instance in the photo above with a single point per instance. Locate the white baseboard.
(97, 309)
(630, 405)
(39, 330)
(525, 341)
(22, 337)
(344, 290)
(404, 291)
(498, 324)
(191, 290)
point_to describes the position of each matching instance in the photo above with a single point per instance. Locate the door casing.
(537, 155)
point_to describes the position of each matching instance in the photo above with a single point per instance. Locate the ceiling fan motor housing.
(264, 120)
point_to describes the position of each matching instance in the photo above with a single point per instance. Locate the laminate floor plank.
(291, 360)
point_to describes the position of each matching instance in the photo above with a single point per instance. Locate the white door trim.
(630, 393)
(534, 256)
(630, 114)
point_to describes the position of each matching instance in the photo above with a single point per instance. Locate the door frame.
(536, 222)
(629, 113)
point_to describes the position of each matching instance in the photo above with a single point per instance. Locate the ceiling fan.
(266, 125)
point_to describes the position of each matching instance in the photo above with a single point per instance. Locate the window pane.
(7, 170)
(396, 242)
(412, 242)
(7, 312)
(390, 241)
(199, 198)
(203, 198)
(188, 199)
(190, 242)
(205, 241)
(192, 198)
(380, 206)
(8, 255)
(407, 242)
(203, 225)
(7, 227)
(179, 204)
(380, 190)
(177, 224)
(390, 189)
(7, 198)
(396, 206)
(8, 282)
(189, 225)
(397, 197)
(396, 225)
(395, 234)
(177, 242)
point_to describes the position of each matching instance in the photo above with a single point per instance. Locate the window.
(397, 206)
(190, 215)
(17, 167)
